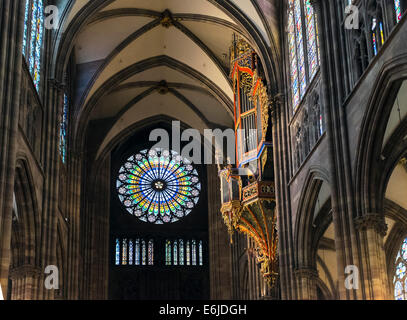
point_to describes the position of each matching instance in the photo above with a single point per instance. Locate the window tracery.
(303, 47)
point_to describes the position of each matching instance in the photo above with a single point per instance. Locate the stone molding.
(371, 221)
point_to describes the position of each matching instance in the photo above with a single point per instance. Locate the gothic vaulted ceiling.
(136, 59)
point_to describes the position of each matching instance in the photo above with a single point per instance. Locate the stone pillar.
(343, 198)
(306, 279)
(281, 142)
(25, 281)
(95, 262)
(53, 104)
(371, 229)
(11, 32)
(73, 211)
(219, 242)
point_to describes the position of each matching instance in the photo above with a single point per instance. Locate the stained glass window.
(181, 252)
(200, 253)
(63, 129)
(158, 186)
(117, 252)
(300, 47)
(381, 33)
(194, 252)
(400, 275)
(168, 252)
(33, 37)
(399, 12)
(124, 252)
(175, 253)
(303, 55)
(137, 252)
(130, 252)
(134, 252)
(374, 36)
(311, 38)
(293, 61)
(150, 252)
(143, 253)
(188, 253)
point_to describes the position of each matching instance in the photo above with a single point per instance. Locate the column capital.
(56, 84)
(306, 272)
(24, 271)
(371, 221)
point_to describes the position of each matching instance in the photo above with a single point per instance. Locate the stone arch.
(373, 168)
(95, 217)
(137, 68)
(308, 231)
(303, 225)
(24, 265)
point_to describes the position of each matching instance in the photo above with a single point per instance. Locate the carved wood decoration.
(248, 200)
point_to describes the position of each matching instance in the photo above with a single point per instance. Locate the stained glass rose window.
(158, 186)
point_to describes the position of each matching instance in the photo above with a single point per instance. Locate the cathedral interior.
(312, 205)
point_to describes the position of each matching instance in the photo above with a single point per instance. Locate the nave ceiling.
(141, 59)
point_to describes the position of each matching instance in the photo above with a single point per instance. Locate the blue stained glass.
(150, 252)
(300, 47)
(404, 249)
(312, 45)
(400, 274)
(137, 252)
(131, 252)
(26, 22)
(181, 252)
(143, 253)
(302, 54)
(374, 43)
(168, 253)
(401, 270)
(188, 253)
(175, 253)
(405, 288)
(381, 33)
(117, 252)
(63, 129)
(124, 252)
(397, 7)
(158, 186)
(33, 38)
(200, 253)
(293, 61)
(398, 291)
(374, 35)
(194, 252)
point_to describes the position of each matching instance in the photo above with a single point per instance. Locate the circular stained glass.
(404, 249)
(398, 291)
(401, 270)
(158, 186)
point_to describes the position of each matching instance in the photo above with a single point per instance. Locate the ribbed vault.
(139, 59)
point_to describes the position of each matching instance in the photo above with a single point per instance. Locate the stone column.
(25, 282)
(306, 279)
(73, 211)
(281, 142)
(343, 198)
(11, 32)
(219, 242)
(371, 229)
(53, 104)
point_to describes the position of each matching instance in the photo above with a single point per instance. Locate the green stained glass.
(158, 186)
